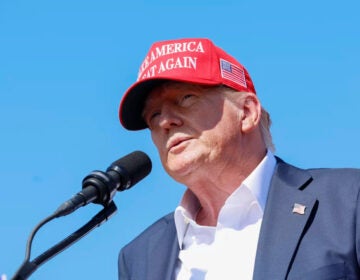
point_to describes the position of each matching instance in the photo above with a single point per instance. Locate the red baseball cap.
(193, 60)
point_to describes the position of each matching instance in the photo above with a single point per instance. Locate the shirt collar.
(258, 182)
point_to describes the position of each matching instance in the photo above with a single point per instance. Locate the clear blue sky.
(64, 66)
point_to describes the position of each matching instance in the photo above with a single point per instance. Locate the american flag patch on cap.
(232, 72)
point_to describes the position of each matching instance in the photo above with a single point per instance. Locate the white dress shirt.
(227, 250)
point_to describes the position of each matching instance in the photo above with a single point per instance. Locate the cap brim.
(132, 104)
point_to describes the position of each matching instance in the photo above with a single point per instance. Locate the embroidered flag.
(232, 72)
(299, 208)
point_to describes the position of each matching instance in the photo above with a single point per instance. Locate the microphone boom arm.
(28, 267)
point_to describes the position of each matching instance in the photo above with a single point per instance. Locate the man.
(246, 214)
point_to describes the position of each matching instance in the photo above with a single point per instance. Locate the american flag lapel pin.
(299, 209)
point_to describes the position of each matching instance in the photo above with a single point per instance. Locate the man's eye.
(187, 96)
(187, 99)
(154, 115)
(149, 117)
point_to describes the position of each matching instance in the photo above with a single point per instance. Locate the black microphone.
(100, 187)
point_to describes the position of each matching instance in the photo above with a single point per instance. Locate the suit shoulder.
(347, 174)
(156, 230)
(333, 174)
(319, 180)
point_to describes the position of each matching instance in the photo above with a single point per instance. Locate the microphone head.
(132, 168)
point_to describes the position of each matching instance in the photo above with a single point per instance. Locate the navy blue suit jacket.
(322, 243)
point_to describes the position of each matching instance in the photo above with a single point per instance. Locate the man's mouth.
(176, 143)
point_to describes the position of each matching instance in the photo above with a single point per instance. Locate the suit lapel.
(281, 229)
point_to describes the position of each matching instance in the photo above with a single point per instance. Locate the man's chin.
(180, 172)
(182, 165)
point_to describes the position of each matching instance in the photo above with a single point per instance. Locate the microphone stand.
(28, 267)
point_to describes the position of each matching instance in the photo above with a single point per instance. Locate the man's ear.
(251, 113)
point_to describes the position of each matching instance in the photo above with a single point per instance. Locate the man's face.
(195, 130)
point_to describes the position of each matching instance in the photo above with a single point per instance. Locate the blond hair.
(265, 120)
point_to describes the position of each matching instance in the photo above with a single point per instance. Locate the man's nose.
(169, 117)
